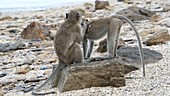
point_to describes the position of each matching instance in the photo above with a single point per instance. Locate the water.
(27, 5)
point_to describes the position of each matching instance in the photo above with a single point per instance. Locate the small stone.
(11, 46)
(145, 33)
(82, 11)
(35, 30)
(88, 15)
(168, 24)
(165, 22)
(160, 36)
(1, 91)
(101, 4)
(38, 17)
(166, 7)
(103, 45)
(129, 1)
(120, 0)
(155, 18)
(88, 5)
(35, 76)
(6, 18)
(135, 13)
(22, 70)
(7, 81)
(16, 18)
(11, 26)
(2, 74)
(109, 7)
(148, 1)
(13, 31)
(43, 68)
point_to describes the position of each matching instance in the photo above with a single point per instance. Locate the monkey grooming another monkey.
(67, 47)
(96, 29)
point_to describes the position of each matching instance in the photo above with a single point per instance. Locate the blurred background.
(23, 5)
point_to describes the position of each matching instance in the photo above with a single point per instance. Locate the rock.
(34, 76)
(2, 74)
(6, 18)
(165, 5)
(165, 22)
(38, 17)
(135, 13)
(23, 69)
(109, 7)
(103, 45)
(166, 8)
(1, 91)
(120, 0)
(7, 81)
(82, 11)
(88, 15)
(147, 32)
(13, 31)
(35, 30)
(12, 26)
(11, 46)
(168, 24)
(128, 1)
(20, 60)
(88, 5)
(105, 73)
(44, 68)
(148, 1)
(94, 74)
(155, 18)
(160, 35)
(131, 56)
(101, 4)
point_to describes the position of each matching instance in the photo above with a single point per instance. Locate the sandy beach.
(39, 63)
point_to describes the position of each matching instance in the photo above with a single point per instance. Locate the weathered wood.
(104, 73)
(94, 74)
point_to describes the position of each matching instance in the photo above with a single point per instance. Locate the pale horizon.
(21, 5)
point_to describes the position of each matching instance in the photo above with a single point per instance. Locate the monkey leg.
(75, 54)
(87, 47)
(113, 37)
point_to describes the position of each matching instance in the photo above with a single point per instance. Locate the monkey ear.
(67, 15)
(78, 16)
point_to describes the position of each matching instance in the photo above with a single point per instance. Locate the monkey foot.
(93, 59)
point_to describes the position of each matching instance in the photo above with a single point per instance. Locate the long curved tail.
(51, 79)
(137, 35)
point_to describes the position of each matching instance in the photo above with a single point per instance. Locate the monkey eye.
(67, 15)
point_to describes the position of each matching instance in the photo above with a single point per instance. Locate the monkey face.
(73, 14)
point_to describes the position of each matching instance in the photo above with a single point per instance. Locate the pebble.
(2, 74)
(156, 82)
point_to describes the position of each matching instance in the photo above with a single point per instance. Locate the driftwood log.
(104, 73)
(94, 74)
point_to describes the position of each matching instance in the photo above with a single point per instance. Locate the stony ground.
(32, 66)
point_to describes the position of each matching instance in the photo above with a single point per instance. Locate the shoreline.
(39, 63)
(43, 8)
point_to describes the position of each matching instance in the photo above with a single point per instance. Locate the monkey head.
(74, 15)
